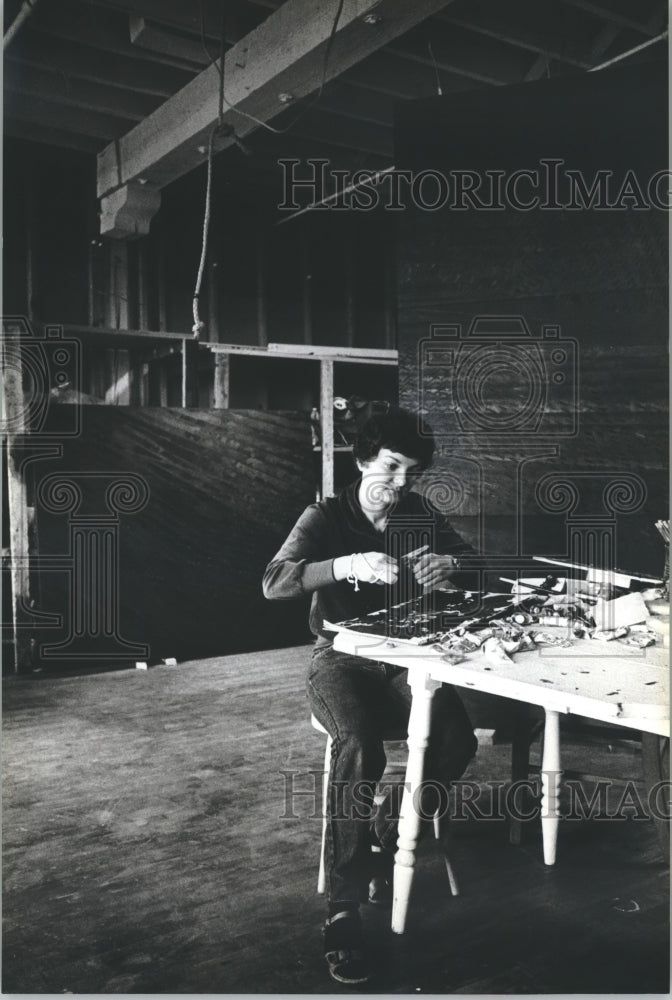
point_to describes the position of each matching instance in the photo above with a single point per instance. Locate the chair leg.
(321, 877)
(452, 881)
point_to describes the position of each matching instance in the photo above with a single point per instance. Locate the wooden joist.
(45, 85)
(154, 38)
(177, 14)
(315, 352)
(75, 61)
(283, 55)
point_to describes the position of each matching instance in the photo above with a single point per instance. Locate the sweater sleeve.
(303, 563)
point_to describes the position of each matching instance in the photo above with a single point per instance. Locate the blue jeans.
(358, 702)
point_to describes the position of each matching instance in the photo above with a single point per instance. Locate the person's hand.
(366, 567)
(375, 567)
(432, 571)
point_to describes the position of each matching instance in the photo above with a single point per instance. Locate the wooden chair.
(400, 767)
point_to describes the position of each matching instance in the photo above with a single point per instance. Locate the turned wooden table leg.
(550, 786)
(422, 688)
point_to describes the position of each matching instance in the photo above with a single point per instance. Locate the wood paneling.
(224, 488)
(600, 275)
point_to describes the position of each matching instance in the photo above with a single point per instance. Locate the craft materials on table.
(458, 623)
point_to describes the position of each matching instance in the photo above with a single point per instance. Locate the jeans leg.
(344, 692)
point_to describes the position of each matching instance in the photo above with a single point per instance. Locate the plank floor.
(144, 853)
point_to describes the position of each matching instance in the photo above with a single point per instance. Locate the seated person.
(340, 552)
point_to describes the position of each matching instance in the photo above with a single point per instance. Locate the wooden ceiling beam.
(101, 29)
(47, 134)
(379, 74)
(605, 14)
(45, 113)
(488, 21)
(47, 85)
(285, 54)
(151, 38)
(75, 61)
(608, 33)
(186, 16)
(447, 66)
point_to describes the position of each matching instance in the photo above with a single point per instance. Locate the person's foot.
(344, 949)
(381, 884)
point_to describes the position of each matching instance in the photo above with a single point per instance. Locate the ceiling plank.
(76, 61)
(187, 17)
(540, 67)
(285, 54)
(50, 136)
(446, 66)
(380, 75)
(609, 32)
(492, 22)
(605, 14)
(153, 38)
(47, 113)
(98, 28)
(49, 85)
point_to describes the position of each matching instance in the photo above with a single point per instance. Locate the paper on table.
(630, 609)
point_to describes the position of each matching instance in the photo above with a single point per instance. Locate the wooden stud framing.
(13, 418)
(327, 425)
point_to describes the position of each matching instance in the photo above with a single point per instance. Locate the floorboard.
(144, 852)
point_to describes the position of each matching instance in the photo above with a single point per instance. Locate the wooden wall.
(324, 277)
(223, 489)
(600, 275)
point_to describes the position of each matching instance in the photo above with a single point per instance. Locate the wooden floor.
(144, 853)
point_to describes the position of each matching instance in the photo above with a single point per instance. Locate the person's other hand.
(432, 571)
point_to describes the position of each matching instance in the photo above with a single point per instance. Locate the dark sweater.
(337, 527)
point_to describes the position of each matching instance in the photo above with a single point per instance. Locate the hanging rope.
(199, 325)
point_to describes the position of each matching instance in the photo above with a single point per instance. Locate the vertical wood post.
(307, 282)
(222, 381)
(13, 420)
(163, 382)
(390, 279)
(349, 282)
(143, 304)
(213, 301)
(161, 280)
(184, 372)
(262, 293)
(190, 386)
(118, 301)
(327, 425)
(31, 220)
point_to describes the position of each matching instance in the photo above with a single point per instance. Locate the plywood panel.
(597, 275)
(223, 489)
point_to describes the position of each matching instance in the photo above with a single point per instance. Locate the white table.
(609, 682)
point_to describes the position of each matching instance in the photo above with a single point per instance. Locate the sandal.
(344, 950)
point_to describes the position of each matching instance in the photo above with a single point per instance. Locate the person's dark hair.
(398, 430)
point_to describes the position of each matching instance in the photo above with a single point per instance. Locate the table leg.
(550, 786)
(422, 689)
